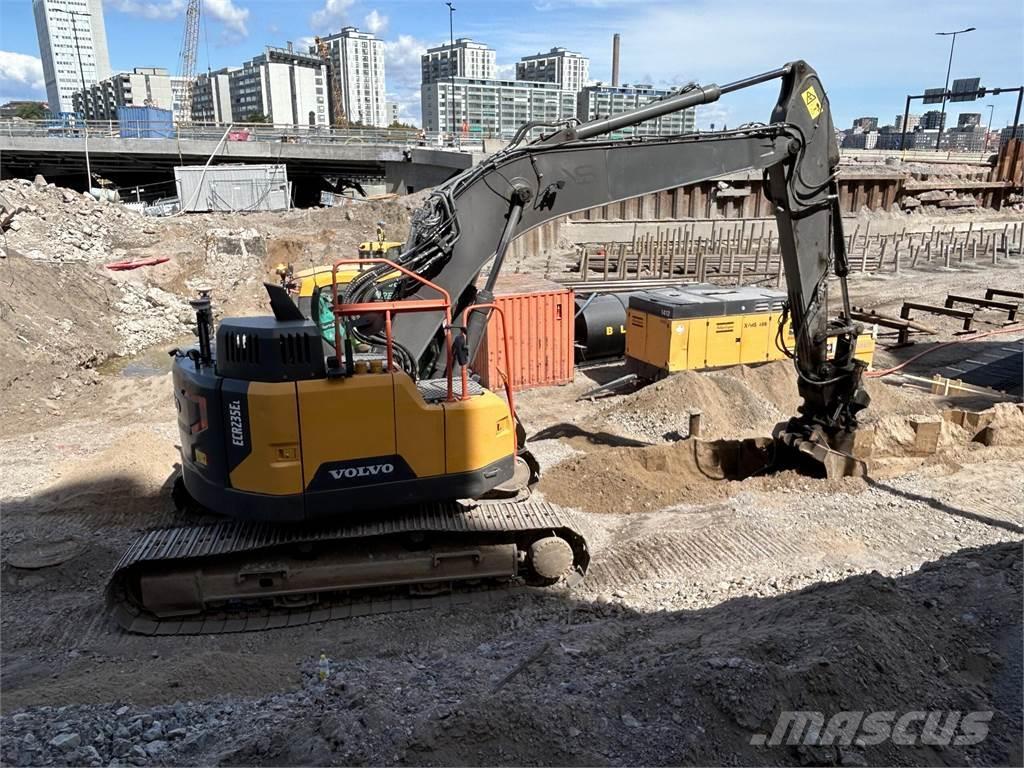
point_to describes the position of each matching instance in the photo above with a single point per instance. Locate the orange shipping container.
(540, 317)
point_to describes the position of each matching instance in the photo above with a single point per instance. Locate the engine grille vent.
(241, 347)
(295, 348)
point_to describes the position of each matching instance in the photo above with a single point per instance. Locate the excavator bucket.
(835, 463)
(815, 452)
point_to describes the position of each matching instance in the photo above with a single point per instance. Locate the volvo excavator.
(351, 481)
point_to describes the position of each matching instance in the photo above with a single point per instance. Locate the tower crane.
(187, 57)
(337, 108)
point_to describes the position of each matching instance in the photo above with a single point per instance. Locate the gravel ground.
(704, 616)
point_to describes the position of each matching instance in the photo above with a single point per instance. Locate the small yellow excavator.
(353, 482)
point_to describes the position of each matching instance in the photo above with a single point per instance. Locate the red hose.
(887, 371)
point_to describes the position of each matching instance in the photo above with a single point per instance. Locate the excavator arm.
(470, 221)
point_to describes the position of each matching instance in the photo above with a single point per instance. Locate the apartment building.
(286, 86)
(358, 59)
(568, 69)
(490, 108)
(142, 87)
(467, 58)
(211, 96)
(72, 47)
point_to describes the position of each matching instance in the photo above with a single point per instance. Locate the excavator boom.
(470, 220)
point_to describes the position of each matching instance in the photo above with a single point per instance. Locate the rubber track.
(490, 521)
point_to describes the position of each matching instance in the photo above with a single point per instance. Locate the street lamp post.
(451, 64)
(945, 91)
(81, 74)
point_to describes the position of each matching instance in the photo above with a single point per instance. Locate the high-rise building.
(468, 59)
(285, 86)
(912, 122)
(393, 111)
(968, 138)
(489, 108)
(599, 101)
(72, 46)
(968, 120)
(570, 70)
(358, 59)
(866, 123)
(931, 120)
(142, 87)
(211, 97)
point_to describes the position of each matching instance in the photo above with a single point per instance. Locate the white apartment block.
(178, 96)
(393, 110)
(289, 87)
(472, 60)
(142, 87)
(569, 69)
(359, 58)
(487, 108)
(211, 97)
(72, 46)
(600, 101)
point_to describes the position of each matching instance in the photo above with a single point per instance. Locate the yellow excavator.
(353, 482)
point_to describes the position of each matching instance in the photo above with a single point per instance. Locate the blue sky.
(870, 54)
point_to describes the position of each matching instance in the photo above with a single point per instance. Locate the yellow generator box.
(699, 326)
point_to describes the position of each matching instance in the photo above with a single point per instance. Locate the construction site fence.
(744, 253)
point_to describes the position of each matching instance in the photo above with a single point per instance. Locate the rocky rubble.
(55, 224)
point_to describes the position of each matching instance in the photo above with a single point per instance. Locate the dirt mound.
(736, 402)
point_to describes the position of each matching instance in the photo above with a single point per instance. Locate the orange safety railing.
(510, 396)
(388, 308)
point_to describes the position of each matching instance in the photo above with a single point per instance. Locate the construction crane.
(337, 110)
(187, 59)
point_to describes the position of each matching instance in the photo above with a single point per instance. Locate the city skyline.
(146, 34)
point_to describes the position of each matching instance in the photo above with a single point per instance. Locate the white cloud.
(332, 15)
(233, 17)
(230, 15)
(402, 62)
(505, 71)
(375, 22)
(150, 10)
(21, 76)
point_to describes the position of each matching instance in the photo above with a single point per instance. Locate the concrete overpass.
(132, 162)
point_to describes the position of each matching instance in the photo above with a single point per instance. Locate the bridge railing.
(264, 132)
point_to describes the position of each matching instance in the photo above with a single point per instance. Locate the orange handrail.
(389, 307)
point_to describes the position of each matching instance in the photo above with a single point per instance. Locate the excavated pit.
(622, 476)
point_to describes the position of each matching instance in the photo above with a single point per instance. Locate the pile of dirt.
(736, 402)
(51, 223)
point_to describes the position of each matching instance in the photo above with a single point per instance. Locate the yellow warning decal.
(812, 102)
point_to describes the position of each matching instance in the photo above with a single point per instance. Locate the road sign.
(966, 89)
(933, 95)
